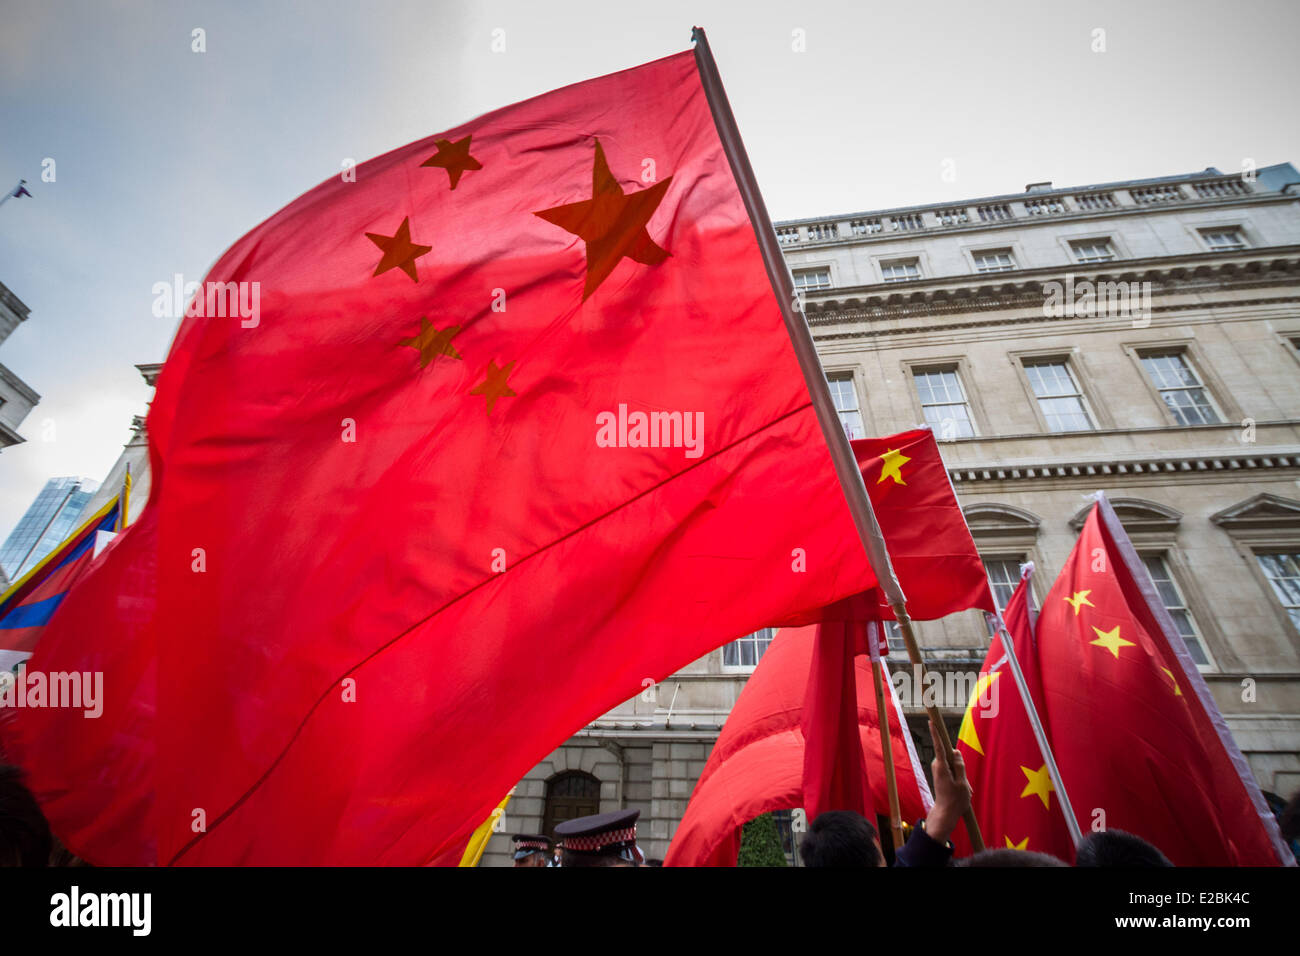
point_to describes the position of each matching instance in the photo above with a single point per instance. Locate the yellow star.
(1039, 785)
(1022, 845)
(399, 251)
(967, 733)
(893, 466)
(431, 342)
(494, 386)
(1177, 690)
(1080, 598)
(1111, 640)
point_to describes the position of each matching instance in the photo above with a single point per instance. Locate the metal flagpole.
(846, 466)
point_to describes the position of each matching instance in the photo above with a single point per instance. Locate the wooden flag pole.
(846, 466)
(887, 752)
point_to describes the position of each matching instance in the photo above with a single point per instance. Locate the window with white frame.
(900, 270)
(1176, 605)
(1223, 238)
(811, 280)
(747, 651)
(1092, 250)
(994, 260)
(846, 403)
(1283, 572)
(1004, 578)
(943, 402)
(1058, 394)
(1180, 388)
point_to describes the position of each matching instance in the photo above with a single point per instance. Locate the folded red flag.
(517, 426)
(1139, 740)
(1014, 800)
(760, 761)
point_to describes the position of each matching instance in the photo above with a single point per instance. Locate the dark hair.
(840, 838)
(1289, 822)
(1009, 857)
(24, 835)
(1117, 848)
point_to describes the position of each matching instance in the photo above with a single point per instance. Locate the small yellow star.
(431, 342)
(1022, 845)
(494, 386)
(892, 467)
(1080, 598)
(1177, 690)
(1111, 640)
(1039, 785)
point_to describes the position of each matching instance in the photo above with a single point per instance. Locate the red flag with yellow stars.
(507, 425)
(1013, 797)
(929, 542)
(1140, 743)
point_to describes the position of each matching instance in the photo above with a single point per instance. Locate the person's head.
(24, 835)
(1117, 848)
(531, 849)
(1289, 822)
(603, 839)
(841, 838)
(1005, 857)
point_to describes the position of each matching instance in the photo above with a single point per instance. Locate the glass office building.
(51, 518)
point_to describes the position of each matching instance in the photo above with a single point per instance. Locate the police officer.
(531, 849)
(605, 839)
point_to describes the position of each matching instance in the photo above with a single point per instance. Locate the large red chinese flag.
(1140, 742)
(1014, 800)
(518, 427)
(760, 764)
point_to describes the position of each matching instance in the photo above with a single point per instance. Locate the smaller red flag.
(760, 761)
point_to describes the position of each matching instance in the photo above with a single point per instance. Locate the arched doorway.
(568, 795)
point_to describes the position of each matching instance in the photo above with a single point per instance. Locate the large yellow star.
(431, 342)
(1022, 845)
(612, 223)
(967, 734)
(1111, 640)
(1039, 785)
(1080, 598)
(892, 467)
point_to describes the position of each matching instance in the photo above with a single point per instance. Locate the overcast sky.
(164, 157)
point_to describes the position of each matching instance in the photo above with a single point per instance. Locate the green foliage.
(760, 844)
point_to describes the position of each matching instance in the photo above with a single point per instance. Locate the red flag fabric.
(504, 427)
(1013, 797)
(1140, 743)
(758, 763)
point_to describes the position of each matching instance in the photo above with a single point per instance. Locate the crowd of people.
(836, 838)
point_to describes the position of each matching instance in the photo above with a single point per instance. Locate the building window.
(846, 403)
(900, 270)
(944, 402)
(1175, 604)
(1004, 578)
(747, 651)
(995, 260)
(811, 280)
(1059, 397)
(1093, 250)
(1179, 387)
(1223, 238)
(1283, 572)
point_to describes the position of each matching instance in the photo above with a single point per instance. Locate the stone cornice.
(1128, 466)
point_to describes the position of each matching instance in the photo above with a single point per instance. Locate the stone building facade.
(1142, 338)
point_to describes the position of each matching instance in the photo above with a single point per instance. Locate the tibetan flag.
(501, 428)
(26, 608)
(1014, 800)
(761, 761)
(1139, 740)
